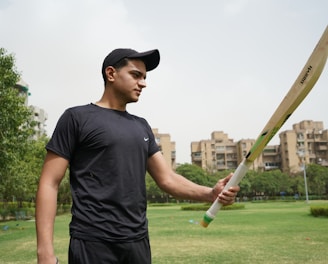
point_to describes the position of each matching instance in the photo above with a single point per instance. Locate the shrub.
(63, 208)
(161, 204)
(235, 206)
(319, 210)
(4, 213)
(205, 207)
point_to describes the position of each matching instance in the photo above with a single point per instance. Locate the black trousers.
(91, 252)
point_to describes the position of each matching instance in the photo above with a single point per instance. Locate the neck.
(109, 105)
(109, 101)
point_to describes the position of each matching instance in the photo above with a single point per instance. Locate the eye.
(137, 75)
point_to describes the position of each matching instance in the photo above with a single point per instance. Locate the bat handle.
(234, 180)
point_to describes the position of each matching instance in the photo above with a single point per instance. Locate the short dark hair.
(118, 65)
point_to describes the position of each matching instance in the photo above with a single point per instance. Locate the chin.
(134, 100)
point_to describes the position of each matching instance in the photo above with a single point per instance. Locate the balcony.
(196, 158)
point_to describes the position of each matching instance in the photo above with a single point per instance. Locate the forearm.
(46, 206)
(182, 188)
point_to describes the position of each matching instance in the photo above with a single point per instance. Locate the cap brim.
(151, 58)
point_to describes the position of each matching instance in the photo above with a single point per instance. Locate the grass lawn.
(279, 232)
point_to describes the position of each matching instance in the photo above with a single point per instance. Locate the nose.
(142, 83)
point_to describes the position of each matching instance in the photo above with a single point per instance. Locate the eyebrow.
(139, 73)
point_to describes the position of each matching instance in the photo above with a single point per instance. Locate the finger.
(227, 201)
(229, 193)
(234, 189)
(226, 179)
(226, 196)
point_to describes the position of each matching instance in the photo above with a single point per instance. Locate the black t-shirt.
(107, 152)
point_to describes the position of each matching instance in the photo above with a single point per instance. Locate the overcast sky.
(225, 65)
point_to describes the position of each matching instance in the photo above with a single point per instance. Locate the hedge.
(205, 207)
(319, 210)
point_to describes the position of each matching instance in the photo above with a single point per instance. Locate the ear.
(110, 73)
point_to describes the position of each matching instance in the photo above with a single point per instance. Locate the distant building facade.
(39, 115)
(306, 142)
(166, 146)
(220, 152)
(23, 90)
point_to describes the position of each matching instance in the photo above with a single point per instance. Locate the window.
(220, 148)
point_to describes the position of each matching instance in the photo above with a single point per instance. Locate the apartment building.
(271, 158)
(210, 154)
(39, 115)
(306, 143)
(166, 146)
(23, 90)
(220, 152)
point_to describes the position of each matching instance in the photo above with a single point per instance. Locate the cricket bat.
(299, 90)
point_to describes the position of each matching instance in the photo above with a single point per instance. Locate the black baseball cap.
(150, 58)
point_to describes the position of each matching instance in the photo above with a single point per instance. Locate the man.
(108, 152)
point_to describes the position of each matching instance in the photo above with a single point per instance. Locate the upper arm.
(159, 169)
(53, 170)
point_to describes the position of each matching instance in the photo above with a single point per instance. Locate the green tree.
(271, 183)
(154, 193)
(317, 178)
(297, 184)
(16, 127)
(29, 169)
(64, 192)
(245, 187)
(193, 173)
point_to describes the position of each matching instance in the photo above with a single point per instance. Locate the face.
(126, 83)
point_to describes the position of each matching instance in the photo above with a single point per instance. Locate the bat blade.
(299, 90)
(296, 94)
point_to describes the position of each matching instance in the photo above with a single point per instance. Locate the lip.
(138, 92)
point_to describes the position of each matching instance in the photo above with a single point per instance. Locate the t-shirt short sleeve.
(64, 138)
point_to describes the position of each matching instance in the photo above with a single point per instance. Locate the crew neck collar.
(106, 108)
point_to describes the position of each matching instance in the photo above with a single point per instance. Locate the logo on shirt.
(146, 139)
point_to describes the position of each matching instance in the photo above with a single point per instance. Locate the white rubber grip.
(235, 179)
